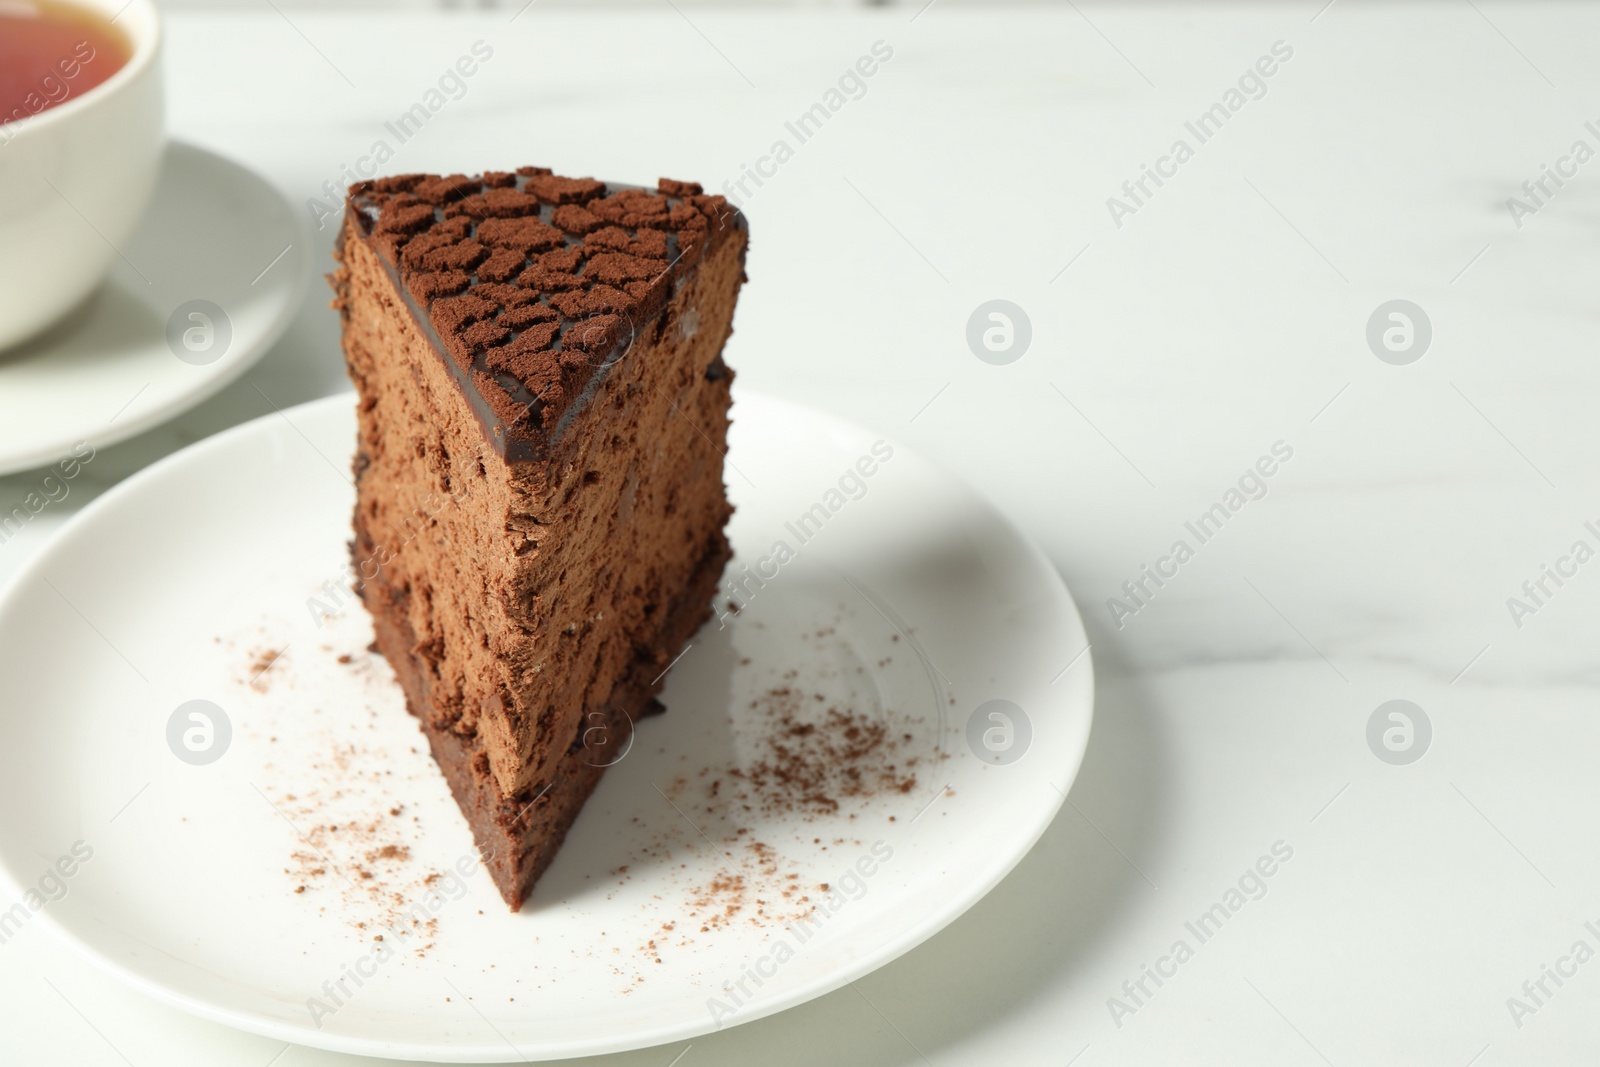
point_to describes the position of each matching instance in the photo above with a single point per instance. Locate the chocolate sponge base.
(518, 837)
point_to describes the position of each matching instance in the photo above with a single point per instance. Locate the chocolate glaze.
(614, 228)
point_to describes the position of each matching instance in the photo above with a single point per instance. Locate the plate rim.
(206, 386)
(487, 1051)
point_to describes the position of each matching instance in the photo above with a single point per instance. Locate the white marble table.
(1227, 312)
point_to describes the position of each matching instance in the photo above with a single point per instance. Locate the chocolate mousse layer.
(540, 507)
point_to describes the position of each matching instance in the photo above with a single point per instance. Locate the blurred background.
(512, 5)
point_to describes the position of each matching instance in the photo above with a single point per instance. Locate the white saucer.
(223, 887)
(214, 232)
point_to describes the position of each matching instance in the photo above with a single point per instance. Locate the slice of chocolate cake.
(540, 507)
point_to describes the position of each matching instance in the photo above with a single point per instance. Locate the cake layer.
(533, 570)
(539, 578)
(518, 836)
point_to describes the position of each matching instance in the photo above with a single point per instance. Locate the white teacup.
(75, 179)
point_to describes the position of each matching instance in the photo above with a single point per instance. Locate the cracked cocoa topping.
(534, 285)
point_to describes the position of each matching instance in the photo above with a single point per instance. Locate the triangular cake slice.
(540, 506)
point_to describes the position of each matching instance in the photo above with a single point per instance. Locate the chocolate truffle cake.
(540, 508)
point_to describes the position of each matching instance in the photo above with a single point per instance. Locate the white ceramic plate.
(246, 889)
(214, 232)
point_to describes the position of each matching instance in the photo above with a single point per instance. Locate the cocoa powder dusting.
(810, 751)
(812, 762)
(351, 854)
